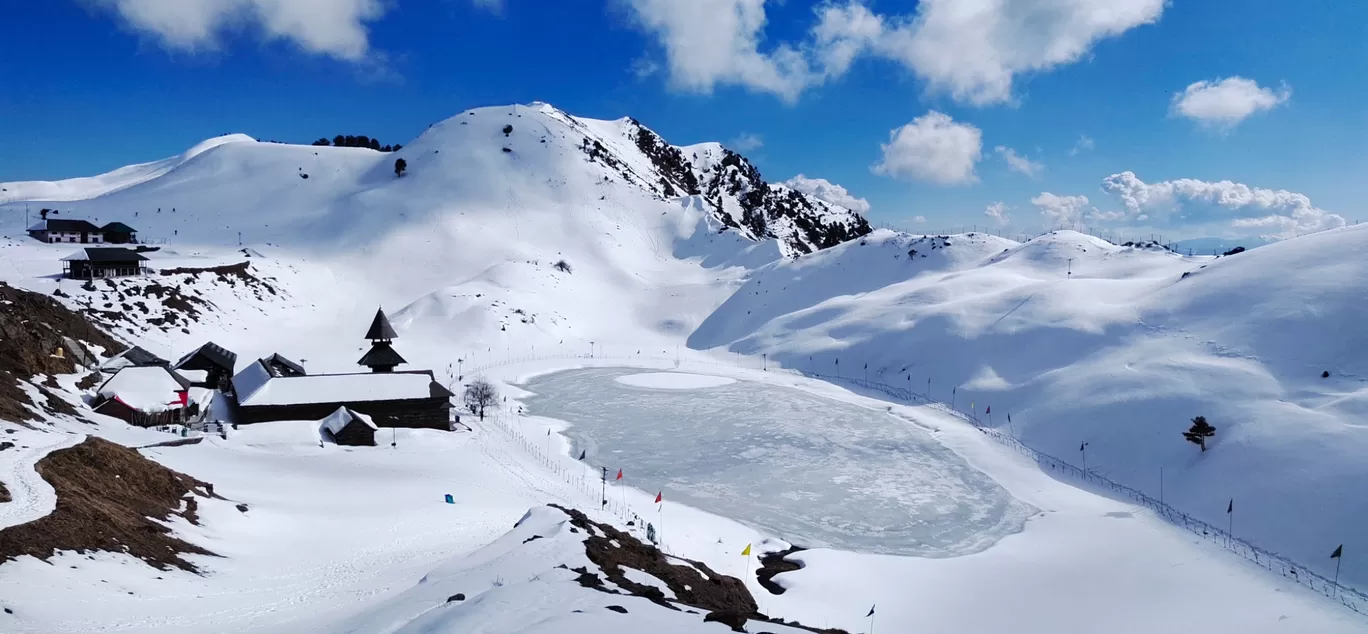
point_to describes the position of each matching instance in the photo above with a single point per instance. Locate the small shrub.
(1325, 374)
(507, 130)
(400, 165)
(562, 266)
(1234, 251)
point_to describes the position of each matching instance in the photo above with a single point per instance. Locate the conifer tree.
(399, 166)
(1199, 432)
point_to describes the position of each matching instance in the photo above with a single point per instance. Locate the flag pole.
(1338, 561)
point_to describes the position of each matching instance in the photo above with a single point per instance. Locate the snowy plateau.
(733, 345)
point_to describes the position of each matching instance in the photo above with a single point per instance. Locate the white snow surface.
(673, 380)
(1120, 354)
(337, 388)
(149, 389)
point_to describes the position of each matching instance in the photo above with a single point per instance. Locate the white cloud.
(1226, 102)
(919, 219)
(823, 189)
(712, 42)
(998, 212)
(1061, 210)
(495, 6)
(974, 49)
(746, 142)
(335, 28)
(932, 148)
(1019, 163)
(1283, 213)
(1084, 143)
(971, 49)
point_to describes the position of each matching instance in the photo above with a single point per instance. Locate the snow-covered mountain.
(1082, 341)
(519, 231)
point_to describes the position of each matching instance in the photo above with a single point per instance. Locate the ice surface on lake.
(811, 470)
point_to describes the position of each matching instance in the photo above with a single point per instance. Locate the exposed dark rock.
(616, 608)
(772, 564)
(735, 620)
(459, 596)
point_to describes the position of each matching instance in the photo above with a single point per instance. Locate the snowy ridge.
(1120, 353)
(124, 177)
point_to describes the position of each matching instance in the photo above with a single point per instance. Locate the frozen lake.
(808, 469)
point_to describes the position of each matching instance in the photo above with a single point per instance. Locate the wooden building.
(119, 233)
(211, 364)
(146, 396)
(101, 262)
(53, 231)
(346, 427)
(269, 390)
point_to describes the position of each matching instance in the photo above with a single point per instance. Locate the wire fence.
(1346, 595)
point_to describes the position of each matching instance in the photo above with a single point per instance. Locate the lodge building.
(277, 389)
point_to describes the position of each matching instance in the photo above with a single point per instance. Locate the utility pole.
(1070, 268)
(1083, 448)
(1161, 484)
(764, 362)
(603, 497)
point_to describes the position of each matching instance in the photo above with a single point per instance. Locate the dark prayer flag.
(989, 410)
(1338, 552)
(871, 611)
(582, 453)
(1230, 508)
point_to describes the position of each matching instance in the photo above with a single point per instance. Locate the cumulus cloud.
(998, 212)
(823, 189)
(974, 49)
(970, 49)
(1084, 143)
(335, 28)
(1061, 210)
(1279, 212)
(932, 148)
(717, 42)
(1019, 163)
(919, 219)
(1226, 102)
(746, 142)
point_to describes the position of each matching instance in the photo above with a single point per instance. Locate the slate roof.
(380, 328)
(118, 227)
(55, 224)
(106, 254)
(133, 357)
(381, 355)
(255, 386)
(209, 354)
(297, 369)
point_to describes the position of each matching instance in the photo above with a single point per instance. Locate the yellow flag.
(746, 552)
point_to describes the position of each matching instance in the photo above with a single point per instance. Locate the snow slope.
(124, 177)
(1120, 354)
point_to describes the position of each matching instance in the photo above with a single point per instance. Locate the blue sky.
(1274, 141)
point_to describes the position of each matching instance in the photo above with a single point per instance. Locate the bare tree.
(480, 394)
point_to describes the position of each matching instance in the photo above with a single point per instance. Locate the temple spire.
(381, 357)
(380, 328)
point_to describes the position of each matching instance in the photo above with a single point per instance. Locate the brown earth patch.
(108, 498)
(718, 593)
(4, 493)
(32, 328)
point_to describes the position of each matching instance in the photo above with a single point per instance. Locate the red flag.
(658, 498)
(619, 474)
